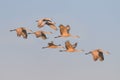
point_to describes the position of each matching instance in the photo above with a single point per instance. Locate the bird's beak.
(87, 53)
(29, 33)
(36, 21)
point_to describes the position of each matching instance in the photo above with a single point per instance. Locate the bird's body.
(52, 45)
(70, 48)
(21, 31)
(65, 31)
(46, 21)
(98, 54)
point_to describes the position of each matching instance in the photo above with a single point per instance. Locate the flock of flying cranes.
(64, 32)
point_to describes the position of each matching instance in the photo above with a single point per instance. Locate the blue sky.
(95, 21)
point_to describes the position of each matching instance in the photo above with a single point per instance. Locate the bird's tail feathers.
(47, 32)
(59, 46)
(106, 52)
(81, 50)
(76, 36)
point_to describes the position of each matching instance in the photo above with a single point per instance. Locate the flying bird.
(46, 21)
(52, 45)
(21, 31)
(65, 32)
(71, 47)
(97, 54)
(40, 34)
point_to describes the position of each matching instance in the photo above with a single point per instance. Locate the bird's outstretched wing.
(52, 25)
(68, 28)
(68, 45)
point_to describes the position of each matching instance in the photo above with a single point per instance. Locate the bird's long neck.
(57, 36)
(31, 33)
(87, 53)
(13, 30)
(59, 46)
(44, 47)
(62, 50)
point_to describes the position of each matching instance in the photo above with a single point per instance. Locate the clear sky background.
(97, 22)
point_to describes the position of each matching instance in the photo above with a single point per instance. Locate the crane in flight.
(97, 54)
(65, 32)
(46, 21)
(21, 31)
(40, 34)
(52, 45)
(71, 47)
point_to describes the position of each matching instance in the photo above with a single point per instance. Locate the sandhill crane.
(52, 45)
(41, 34)
(46, 21)
(21, 31)
(97, 54)
(71, 48)
(65, 32)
